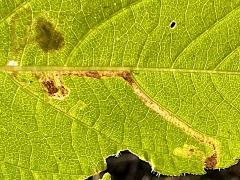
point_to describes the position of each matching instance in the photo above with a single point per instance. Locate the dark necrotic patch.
(211, 162)
(50, 87)
(47, 37)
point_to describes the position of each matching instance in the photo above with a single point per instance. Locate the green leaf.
(82, 80)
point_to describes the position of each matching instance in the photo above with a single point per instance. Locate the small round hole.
(173, 24)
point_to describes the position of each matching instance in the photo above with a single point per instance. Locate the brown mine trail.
(209, 162)
(126, 75)
(56, 89)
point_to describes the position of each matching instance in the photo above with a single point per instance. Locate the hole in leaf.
(173, 24)
(127, 166)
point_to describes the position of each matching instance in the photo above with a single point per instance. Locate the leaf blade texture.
(82, 80)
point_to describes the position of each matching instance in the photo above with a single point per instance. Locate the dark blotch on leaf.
(191, 150)
(50, 86)
(47, 37)
(211, 162)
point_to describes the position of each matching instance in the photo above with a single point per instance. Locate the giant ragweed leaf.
(82, 80)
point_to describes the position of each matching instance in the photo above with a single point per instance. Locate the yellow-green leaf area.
(83, 80)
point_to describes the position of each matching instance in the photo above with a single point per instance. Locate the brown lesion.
(50, 87)
(53, 86)
(48, 38)
(211, 162)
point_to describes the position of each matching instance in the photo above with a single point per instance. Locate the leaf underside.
(83, 80)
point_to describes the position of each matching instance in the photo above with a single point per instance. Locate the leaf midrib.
(99, 68)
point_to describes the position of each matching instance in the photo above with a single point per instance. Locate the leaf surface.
(82, 80)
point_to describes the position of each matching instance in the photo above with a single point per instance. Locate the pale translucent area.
(12, 63)
(191, 70)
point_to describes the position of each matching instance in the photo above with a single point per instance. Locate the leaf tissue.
(83, 80)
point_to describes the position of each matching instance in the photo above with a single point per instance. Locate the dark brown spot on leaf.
(191, 150)
(47, 37)
(54, 86)
(211, 162)
(50, 87)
